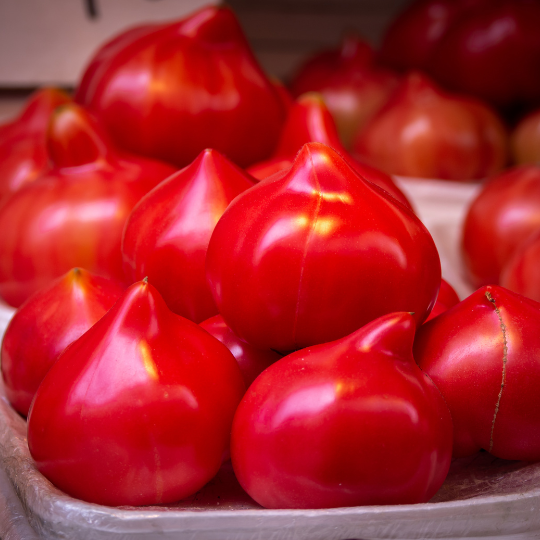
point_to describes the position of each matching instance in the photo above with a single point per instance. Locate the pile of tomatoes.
(208, 269)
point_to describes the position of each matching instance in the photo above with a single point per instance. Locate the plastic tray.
(482, 498)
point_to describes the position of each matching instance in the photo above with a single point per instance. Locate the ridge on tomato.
(138, 410)
(73, 215)
(316, 252)
(347, 423)
(167, 233)
(46, 324)
(169, 91)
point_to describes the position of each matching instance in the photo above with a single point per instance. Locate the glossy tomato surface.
(138, 410)
(74, 214)
(167, 234)
(251, 360)
(483, 356)
(46, 324)
(504, 214)
(346, 423)
(309, 120)
(425, 132)
(445, 300)
(171, 90)
(311, 255)
(23, 151)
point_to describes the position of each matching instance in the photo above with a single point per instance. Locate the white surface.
(49, 42)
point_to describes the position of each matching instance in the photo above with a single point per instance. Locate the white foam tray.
(482, 498)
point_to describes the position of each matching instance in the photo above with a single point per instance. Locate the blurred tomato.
(169, 91)
(483, 356)
(525, 140)
(352, 86)
(424, 132)
(521, 273)
(346, 423)
(251, 360)
(23, 152)
(138, 410)
(167, 234)
(309, 120)
(74, 214)
(504, 215)
(46, 324)
(312, 255)
(486, 48)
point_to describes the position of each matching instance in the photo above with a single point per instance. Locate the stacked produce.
(275, 301)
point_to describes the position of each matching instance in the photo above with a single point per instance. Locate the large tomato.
(483, 356)
(504, 214)
(139, 409)
(425, 132)
(23, 151)
(73, 215)
(313, 254)
(346, 423)
(167, 233)
(46, 324)
(169, 91)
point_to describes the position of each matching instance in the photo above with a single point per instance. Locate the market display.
(276, 300)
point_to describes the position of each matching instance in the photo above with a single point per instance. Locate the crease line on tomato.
(505, 360)
(304, 254)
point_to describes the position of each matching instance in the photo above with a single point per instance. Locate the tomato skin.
(445, 300)
(167, 233)
(309, 120)
(169, 91)
(504, 214)
(311, 255)
(73, 215)
(251, 361)
(138, 410)
(425, 132)
(46, 324)
(23, 153)
(520, 274)
(352, 85)
(525, 140)
(489, 377)
(347, 423)
(486, 48)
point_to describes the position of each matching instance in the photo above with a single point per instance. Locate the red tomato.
(167, 234)
(425, 132)
(353, 87)
(503, 215)
(310, 121)
(483, 356)
(312, 255)
(520, 274)
(138, 410)
(23, 153)
(171, 90)
(525, 140)
(347, 423)
(74, 214)
(445, 300)
(486, 48)
(46, 324)
(251, 361)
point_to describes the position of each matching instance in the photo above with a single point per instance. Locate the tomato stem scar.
(505, 359)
